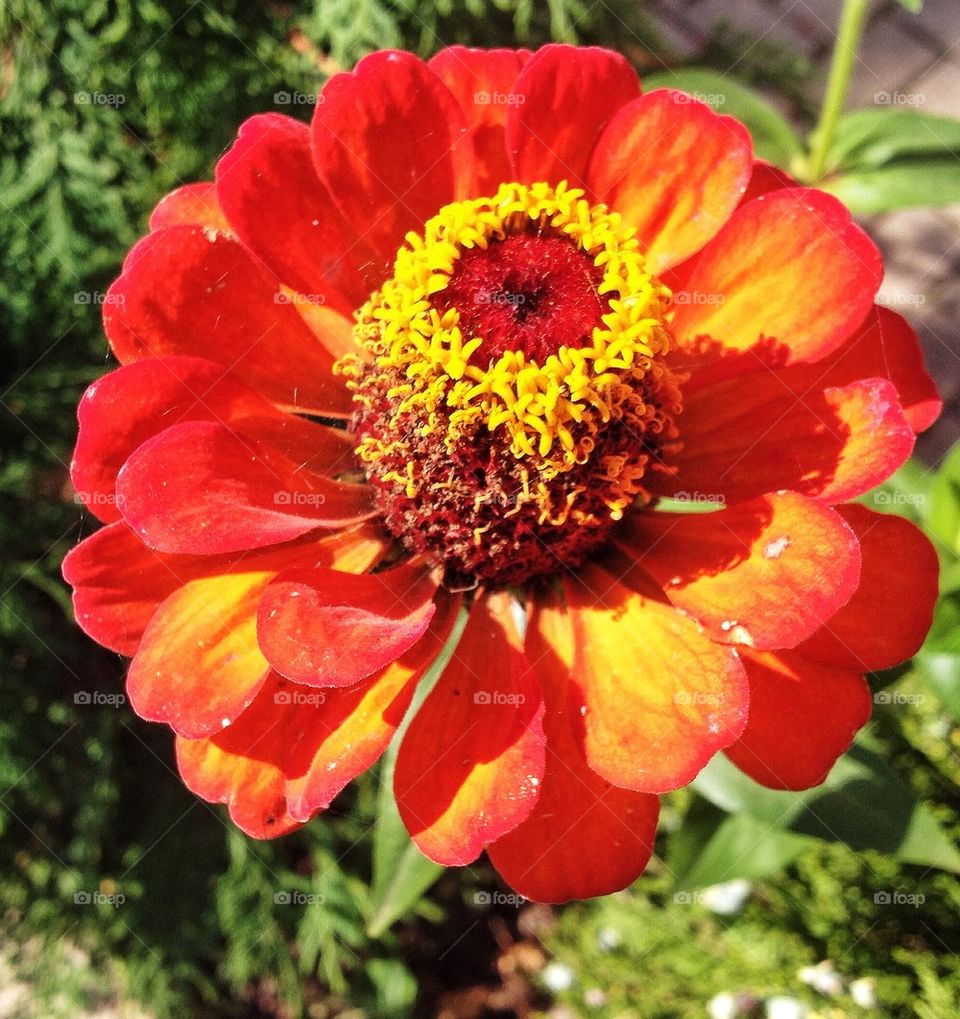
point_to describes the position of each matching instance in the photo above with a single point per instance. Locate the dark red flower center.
(532, 292)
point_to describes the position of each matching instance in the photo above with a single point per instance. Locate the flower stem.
(852, 21)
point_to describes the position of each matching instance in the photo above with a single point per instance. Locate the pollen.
(512, 392)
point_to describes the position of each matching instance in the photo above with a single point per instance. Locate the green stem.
(852, 22)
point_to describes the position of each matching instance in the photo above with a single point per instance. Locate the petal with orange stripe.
(199, 665)
(658, 698)
(470, 765)
(766, 573)
(584, 836)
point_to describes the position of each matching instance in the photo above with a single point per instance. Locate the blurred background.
(121, 895)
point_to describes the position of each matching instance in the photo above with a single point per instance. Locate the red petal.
(193, 204)
(199, 664)
(278, 207)
(803, 716)
(192, 290)
(119, 583)
(765, 178)
(470, 764)
(673, 169)
(885, 346)
(657, 697)
(765, 573)
(325, 628)
(584, 837)
(887, 619)
(482, 81)
(789, 277)
(389, 142)
(745, 437)
(120, 411)
(564, 97)
(203, 489)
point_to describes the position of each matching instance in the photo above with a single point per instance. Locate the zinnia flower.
(471, 342)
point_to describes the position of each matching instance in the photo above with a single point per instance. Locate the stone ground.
(905, 59)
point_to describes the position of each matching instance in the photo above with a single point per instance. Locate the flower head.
(474, 344)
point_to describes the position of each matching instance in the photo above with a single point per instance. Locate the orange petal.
(745, 437)
(803, 716)
(789, 268)
(658, 698)
(199, 664)
(470, 765)
(673, 169)
(293, 750)
(584, 837)
(765, 573)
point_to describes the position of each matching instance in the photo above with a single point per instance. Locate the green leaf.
(944, 519)
(862, 803)
(401, 873)
(903, 184)
(713, 846)
(773, 137)
(907, 493)
(913, 6)
(940, 671)
(869, 139)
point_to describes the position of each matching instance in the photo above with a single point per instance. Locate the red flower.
(544, 303)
